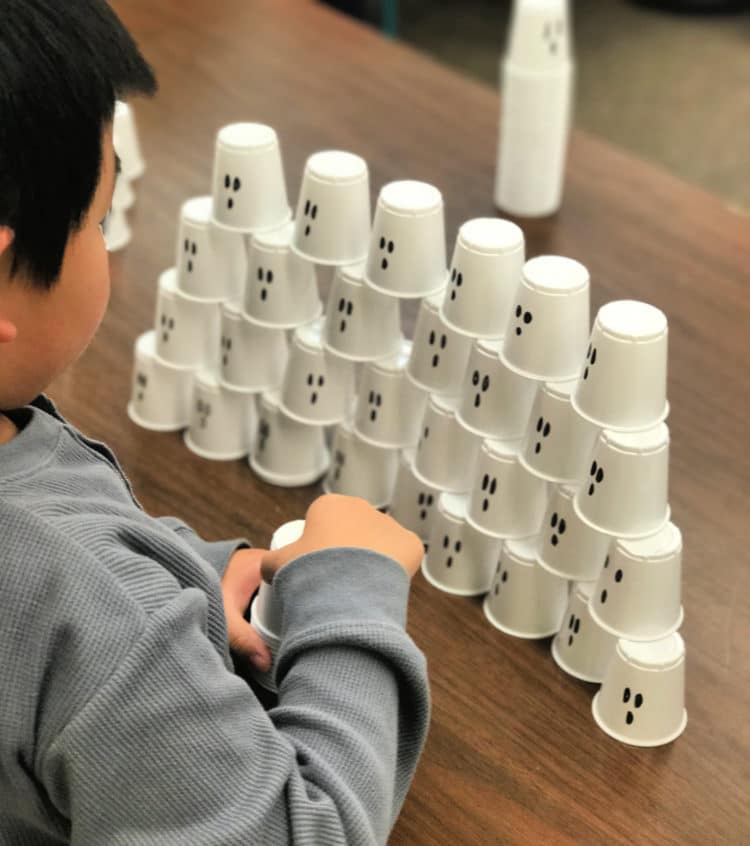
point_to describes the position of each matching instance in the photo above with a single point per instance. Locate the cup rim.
(279, 480)
(526, 635)
(635, 636)
(661, 741)
(619, 534)
(451, 590)
(566, 668)
(152, 427)
(252, 230)
(208, 454)
(604, 425)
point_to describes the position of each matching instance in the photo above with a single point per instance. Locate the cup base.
(406, 295)
(423, 386)
(526, 635)
(153, 427)
(636, 637)
(326, 262)
(445, 589)
(211, 456)
(291, 324)
(488, 533)
(574, 577)
(306, 421)
(442, 488)
(548, 477)
(604, 425)
(632, 741)
(280, 481)
(566, 668)
(238, 230)
(363, 359)
(537, 377)
(383, 444)
(485, 336)
(483, 434)
(617, 533)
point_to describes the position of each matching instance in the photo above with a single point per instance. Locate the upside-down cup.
(126, 142)
(558, 441)
(265, 611)
(361, 324)
(222, 422)
(116, 230)
(161, 395)
(484, 276)
(123, 198)
(253, 358)
(332, 224)
(642, 698)
(439, 354)
(406, 257)
(548, 328)
(582, 648)
(360, 469)
(281, 290)
(624, 492)
(623, 379)
(414, 502)
(568, 547)
(446, 453)
(637, 596)
(287, 453)
(187, 328)
(506, 501)
(318, 386)
(459, 559)
(496, 401)
(525, 600)
(249, 188)
(390, 408)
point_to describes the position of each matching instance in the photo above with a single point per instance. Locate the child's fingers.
(246, 641)
(273, 561)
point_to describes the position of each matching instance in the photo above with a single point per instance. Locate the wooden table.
(513, 754)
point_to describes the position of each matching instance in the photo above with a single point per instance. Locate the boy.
(121, 719)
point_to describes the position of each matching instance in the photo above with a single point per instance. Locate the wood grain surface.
(513, 754)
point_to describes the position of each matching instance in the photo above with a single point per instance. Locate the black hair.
(62, 66)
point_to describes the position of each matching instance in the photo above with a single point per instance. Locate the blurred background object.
(670, 88)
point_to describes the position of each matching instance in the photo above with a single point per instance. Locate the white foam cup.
(281, 290)
(558, 441)
(625, 489)
(116, 230)
(548, 328)
(484, 275)
(642, 698)
(361, 324)
(252, 358)
(568, 547)
(414, 502)
(506, 500)
(459, 559)
(161, 393)
(222, 422)
(285, 452)
(540, 35)
(332, 223)
(524, 600)
(638, 592)
(249, 188)
(439, 354)
(582, 648)
(623, 379)
(446, 453)
(123, 198)
(126, 142)
(318, 386)
(495, 401)
(407, 256)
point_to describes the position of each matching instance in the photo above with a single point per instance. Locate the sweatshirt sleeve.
(176, 749)
(217, 553)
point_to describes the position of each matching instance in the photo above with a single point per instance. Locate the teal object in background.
(389, 17)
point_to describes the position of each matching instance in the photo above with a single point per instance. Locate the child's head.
(62, 66)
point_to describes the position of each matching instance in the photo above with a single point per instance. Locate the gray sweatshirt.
(121, 718)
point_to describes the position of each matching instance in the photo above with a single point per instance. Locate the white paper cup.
(318, 387)
(558, 442)
(390, 408)
(624, 492)
(281, 290)
(638, 592)
(360, 469)
(506, 500)
(117, 232)
(568, 547)
(414, 502)
(285, 452)
(525, 600)
(439, 354)
(485, 273)
(123, 198)
(623, 380)
(496, 401)
(361, 324)
(548, 327)
(407, 247)
(249, 189)
(642, 698)
(126, 142)
(332, 224)
(446, 453)
(582, 648)
(187, 328)
(253, 358)
(459, 559)
(161, 394)
(540, 35)
(222, 422)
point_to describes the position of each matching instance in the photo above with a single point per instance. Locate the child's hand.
(240, 581)
(334, 520)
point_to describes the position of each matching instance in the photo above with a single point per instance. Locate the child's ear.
(8, 330)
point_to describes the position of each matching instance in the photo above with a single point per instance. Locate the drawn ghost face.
(264, 433)
(167, 323)
(231, 194)
(316, 383)
(450, 549)
(203, 412)
(456, 283)
(141, 383)
(344, 314)
(310, 215)
(339, 462)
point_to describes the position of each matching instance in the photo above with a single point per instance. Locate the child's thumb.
(245, 640)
